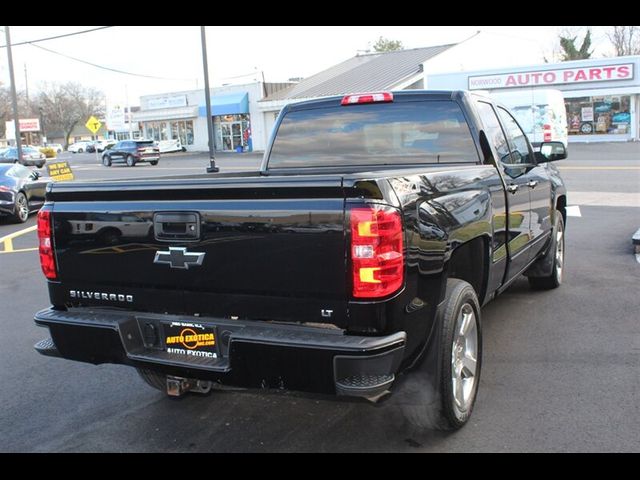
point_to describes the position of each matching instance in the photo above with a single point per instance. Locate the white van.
(540, 112)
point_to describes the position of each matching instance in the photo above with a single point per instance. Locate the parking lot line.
(573, 211)
(7, 240)
(613, 167)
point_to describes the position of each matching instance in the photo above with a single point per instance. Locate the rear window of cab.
(420, 132)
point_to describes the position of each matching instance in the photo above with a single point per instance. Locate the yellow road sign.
(93, 124)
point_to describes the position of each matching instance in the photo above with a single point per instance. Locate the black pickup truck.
(354, 262)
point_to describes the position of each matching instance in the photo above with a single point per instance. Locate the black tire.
(40, 165)
(154, 162)
(106, 160)
(554, 257)
(153, 379)
(21, 208)
(428, 406)
(586, 128)
(80, 150)
(131, 161)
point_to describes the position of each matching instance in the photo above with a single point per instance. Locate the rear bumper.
(249, 354)
(7, 207)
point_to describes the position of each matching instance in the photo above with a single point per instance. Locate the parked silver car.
(30, 156)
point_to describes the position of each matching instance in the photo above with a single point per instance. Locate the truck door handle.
(513, 188)
(532, 183)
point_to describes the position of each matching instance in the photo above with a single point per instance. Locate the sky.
(236, 54)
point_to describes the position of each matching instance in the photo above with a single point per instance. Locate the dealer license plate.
(190, 339)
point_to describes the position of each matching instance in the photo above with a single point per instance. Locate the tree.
(6, 108)
(64, 106)
(569, 50)
(625, 40)
(386, 45)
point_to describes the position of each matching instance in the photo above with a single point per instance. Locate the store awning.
(230, 104)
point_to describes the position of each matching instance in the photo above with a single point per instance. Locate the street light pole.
(207, 95)
(14, 96)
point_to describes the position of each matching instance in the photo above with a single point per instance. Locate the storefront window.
(232, 132)
(176, 129)
(599, 115)
(189, 132)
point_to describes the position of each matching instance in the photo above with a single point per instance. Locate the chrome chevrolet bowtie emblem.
(178, 257)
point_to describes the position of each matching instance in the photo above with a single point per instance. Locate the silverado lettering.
(353, 263)
(112, 297)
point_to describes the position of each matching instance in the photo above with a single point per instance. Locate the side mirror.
(551, 152)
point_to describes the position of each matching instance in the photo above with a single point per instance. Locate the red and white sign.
(602, 73)
(29, 125)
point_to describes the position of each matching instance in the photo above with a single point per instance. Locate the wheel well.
(469, 262)
(561, 206)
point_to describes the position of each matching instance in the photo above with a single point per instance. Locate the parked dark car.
(30, 156)
(21, 192)
(132, 152)
(91, 148)
(353, 263)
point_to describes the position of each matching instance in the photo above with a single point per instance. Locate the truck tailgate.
(272, 249)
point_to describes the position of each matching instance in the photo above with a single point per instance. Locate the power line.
(109, 68)
(57, 36)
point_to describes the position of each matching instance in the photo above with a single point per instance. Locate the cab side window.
(520, 153)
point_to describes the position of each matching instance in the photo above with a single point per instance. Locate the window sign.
(587, 114)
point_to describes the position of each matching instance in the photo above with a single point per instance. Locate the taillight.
(47, 261)
(382, 97)
(546, 132)
(376, 251)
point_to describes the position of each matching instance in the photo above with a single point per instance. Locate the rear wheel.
(460, 357)
(154, 162)
(131, 161)
(153, 379)
(555, 257)
(80, 150)
(21, 208)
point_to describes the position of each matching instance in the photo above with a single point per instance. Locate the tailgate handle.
(176, 226)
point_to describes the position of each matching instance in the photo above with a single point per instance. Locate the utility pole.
(26, 92)
(126, 92)
(26, 83)
(14, 96)
(207, 95)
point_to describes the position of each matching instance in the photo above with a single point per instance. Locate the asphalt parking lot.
(561, 368)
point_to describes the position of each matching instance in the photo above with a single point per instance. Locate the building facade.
(602, 96)
(237, 123)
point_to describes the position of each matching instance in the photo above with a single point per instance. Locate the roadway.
(561, 368)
